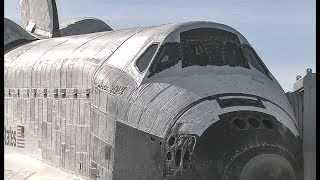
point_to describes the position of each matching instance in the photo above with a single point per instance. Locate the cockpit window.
(144, 60)
(210, 46)
(201, 47)
(254, 59)
(168, 56)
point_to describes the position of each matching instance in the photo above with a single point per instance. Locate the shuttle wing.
(14, 35)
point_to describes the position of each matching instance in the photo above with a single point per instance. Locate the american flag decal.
(20, 136)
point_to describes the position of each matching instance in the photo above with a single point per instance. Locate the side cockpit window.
(254, 59)
(145, 59)
(167, 57)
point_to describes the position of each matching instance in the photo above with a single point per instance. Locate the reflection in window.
(144, 60)
(210, 46)
(254, 60)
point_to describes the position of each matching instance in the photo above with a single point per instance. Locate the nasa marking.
(113, 89)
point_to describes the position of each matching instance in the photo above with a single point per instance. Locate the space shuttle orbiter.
(188, 100)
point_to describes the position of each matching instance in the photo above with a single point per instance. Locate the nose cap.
(268, 167)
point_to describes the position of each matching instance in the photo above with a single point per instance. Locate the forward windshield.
(201, 47)
(209, 46)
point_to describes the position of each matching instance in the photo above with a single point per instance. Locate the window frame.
(245, 64)
(155, 64)
(258, 60)
(142, 52)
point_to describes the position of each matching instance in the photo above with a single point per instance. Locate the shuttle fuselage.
(177, 101)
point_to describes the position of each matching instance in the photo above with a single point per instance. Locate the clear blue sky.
(282, 32)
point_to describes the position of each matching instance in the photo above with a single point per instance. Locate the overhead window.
(254, 60)
(144, 60)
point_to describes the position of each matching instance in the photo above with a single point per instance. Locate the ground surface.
(20, 167)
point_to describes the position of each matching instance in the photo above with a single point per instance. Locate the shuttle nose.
(247, 146)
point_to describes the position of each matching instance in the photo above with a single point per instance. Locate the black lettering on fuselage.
(117, 89)
(7, 138)
(5, 135)
(113, 89)
(13, 138)
(10, 137)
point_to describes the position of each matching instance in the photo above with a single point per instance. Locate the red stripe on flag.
(20, 141)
